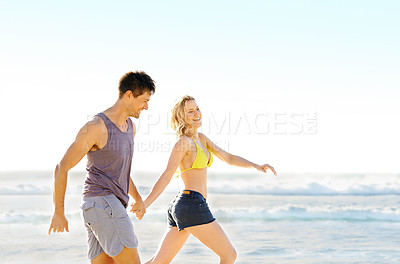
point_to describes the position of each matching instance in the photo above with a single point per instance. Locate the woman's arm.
(233, 159)
(178, 152)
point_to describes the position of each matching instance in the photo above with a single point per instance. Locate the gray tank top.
(109, 168)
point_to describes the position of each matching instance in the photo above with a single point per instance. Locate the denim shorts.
(189, 208)
(108, 226)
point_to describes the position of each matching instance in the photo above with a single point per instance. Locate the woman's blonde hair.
(178, 122)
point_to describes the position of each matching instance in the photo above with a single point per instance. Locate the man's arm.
(138, 207)
(87, 137)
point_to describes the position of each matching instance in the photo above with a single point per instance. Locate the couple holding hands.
(108, 140)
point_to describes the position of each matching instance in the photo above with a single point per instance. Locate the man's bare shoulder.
(94, 126)
(96, 121)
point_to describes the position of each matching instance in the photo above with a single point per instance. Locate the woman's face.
(192, 114)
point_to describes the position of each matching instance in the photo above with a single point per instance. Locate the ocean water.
(292, 218)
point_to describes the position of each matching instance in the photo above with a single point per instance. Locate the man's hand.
(139, 209)
(58, 223)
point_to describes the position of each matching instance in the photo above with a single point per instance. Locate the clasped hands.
(139, 209)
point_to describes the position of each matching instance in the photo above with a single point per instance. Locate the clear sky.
(307, 86)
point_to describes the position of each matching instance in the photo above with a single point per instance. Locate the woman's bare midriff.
(195, 180)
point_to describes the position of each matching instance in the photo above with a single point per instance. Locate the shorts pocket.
(205, 213)
(89, 214)
(106, 206)
(203, 207)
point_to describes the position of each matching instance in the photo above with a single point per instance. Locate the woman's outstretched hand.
(266, 167)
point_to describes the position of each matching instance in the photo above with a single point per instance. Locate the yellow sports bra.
(201, 160)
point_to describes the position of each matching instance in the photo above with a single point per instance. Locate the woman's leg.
(215, 238)
(170, 245)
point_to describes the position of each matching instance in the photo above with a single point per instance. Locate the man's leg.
(110, 232)
(103, 258)
(127, 256)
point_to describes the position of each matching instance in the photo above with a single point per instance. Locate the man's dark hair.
(138, 82)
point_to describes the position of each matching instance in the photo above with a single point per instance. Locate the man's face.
(138, 104)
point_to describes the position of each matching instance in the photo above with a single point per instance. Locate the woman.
(189, 213)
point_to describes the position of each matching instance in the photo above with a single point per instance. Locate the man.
(107, 140)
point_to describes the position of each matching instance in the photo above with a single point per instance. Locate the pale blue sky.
(252, 64)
